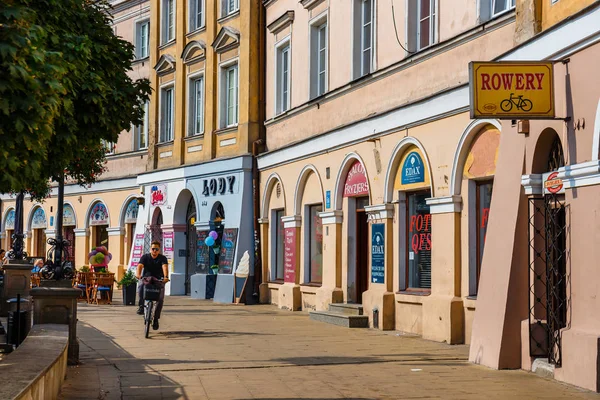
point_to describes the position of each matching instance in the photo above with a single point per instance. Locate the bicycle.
(152, 292)
(522, 104)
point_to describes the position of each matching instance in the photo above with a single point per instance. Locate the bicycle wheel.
(149, 307)
(506, 105)
(526, 105)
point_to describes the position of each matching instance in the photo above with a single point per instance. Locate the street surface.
(205, 350)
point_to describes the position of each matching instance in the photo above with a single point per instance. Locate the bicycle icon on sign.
(516, 101)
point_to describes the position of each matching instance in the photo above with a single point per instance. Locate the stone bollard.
(17, 278)
(58, 305)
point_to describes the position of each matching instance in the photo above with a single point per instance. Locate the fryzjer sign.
(552, 183)
(377, 253)
(356, 182)
(510, 90)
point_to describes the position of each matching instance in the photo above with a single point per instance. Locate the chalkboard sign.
(202, 253)
(228, 243)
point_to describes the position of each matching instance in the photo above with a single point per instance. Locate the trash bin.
(18, 322)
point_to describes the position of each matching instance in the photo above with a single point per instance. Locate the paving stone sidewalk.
(205, 350)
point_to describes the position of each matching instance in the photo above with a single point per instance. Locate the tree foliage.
(64, 89)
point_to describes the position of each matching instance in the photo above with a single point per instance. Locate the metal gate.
(153, 232)
(547, 276)
(191, 237)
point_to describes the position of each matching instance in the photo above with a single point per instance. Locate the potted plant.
(128, 285)
(85, 268)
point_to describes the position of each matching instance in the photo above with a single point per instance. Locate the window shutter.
(314, 61)
(411, 25)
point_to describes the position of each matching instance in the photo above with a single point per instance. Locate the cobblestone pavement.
(205, 350)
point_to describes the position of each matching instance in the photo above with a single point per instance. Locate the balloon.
(209, 241)
(213, 235)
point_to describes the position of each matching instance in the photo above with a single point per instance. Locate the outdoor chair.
(103, 284)
(84, 281)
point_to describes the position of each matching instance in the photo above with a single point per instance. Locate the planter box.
(129, 293)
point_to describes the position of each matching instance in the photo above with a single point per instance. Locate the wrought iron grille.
(548, 298)
(153, 232)
(192, 237)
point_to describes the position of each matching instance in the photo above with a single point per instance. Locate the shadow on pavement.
(186, 335)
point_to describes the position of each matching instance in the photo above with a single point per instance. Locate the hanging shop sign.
(99, 215)
(552, 183)
(377, 253)
(413, 170)
(131, 213)
(511, 90)
(168, 244)
(68, 216)
(158, 195)
(289, 255)
(226, 257)
(10, 220)
(38, 221)
(138, 248)
(356, 181)
(218, 186)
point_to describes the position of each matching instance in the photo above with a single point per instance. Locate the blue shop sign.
(413, 170)
(377, 253)
(328, 199)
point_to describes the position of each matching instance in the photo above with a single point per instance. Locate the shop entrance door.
(362, 248)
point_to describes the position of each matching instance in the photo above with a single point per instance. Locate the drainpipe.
(256, 204)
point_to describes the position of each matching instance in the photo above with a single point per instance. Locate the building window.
(315, 243)
(318, 56)
(363, 37)
(230, 6)
(418, 241)
(484, 200)
(426, 35)
(143, 39)
(196, 14)
(230, 96)
(283, 78)
(168, 26)
(141, 131)
(279, 244)
(109, 147)
(167, 112)
(196, 124)
(500, 6)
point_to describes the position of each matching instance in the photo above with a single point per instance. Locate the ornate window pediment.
(165, 64)
(194, 51)
(227, 39)
(310, 4)
(281, 23)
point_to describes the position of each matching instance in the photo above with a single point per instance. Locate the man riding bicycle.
(155, 268)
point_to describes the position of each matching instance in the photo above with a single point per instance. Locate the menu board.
(168, 244)
(202, 253)
(289, 256)
(138, 248)
(228, 243)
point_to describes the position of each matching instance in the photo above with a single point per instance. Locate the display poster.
(202, 253)
(377, 253)
(168, 244)
(138, 248)
(228, 243)
(289, 255)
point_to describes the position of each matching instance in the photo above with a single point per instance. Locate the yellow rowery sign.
(511, 90)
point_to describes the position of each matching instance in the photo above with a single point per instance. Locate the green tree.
(66, 91)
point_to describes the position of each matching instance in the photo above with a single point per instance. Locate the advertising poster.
(289, 256)
(168, 244)
(138, 248)
(228, 243)
(377, 253)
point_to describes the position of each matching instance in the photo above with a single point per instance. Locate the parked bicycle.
(153, 290)
(516, 101)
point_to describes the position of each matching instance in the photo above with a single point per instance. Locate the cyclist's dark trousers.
(159, 303)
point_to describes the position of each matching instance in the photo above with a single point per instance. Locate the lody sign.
(511, 90)
(377, 253)
(214, 186)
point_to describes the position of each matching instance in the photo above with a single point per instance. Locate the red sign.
(553, 184)
(356, 181)
(420, 232)
(138, 248)
(289, 255)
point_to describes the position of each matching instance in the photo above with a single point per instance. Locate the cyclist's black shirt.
(153, 266)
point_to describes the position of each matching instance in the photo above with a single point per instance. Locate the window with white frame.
(363, 37)
(141, 131)
(230, 6)
(318, 58)
(229, 96)
(109, 147)
(426, 26)
(500, 6)
(167, 113)
(168, 25)
(196, 14)
(143, 39)
(196, 105)
(283, 78)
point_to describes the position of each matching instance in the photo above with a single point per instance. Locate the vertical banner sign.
(289, 255)
(138, 248)
(168, 244)
(511, 90)
(226, 257)
(377, 253)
